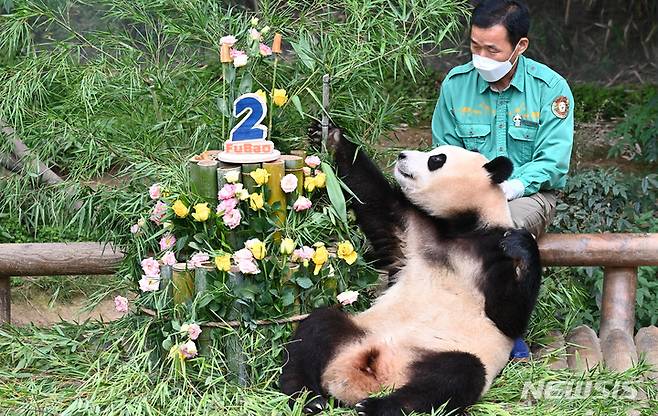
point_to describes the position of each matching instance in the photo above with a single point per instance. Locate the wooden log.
(584, 349)
(646, 342)
(554, 351)
(51, 259)
(5, 299)
(618, 348)
(618, 250)
(618, 303)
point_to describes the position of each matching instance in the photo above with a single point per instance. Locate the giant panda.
(464, 285)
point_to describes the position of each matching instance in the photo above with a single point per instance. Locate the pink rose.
(149, 283)
(248, 267)
(307, 171)
(197, 259)
(151, 267)
(312, 161)
(304, 253)
(227, 192)
(194, 331)
(232, 218)
(265, 50)
(167, 241)
(169, 259)
(302, 204)
(227, 40)
(159, 212)
(235, 53)
(134, 229)
(227, 205)
(289, 183)
(189, 349)
(348, 297)
(254, 34)
(121, 304)
(243, 255)
(154, 191)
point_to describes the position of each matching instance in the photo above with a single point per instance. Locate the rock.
(584, 349)
(555, 350)
(618, 350)
(646, 342)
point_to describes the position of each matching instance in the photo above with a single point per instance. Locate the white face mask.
(492, 70)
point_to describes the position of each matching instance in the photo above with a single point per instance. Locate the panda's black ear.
(499, 169)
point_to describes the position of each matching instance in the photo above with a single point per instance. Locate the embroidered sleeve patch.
(560, 107)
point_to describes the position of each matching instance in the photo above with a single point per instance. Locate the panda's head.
(450, 180)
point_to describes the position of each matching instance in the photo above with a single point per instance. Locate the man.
(504, 104)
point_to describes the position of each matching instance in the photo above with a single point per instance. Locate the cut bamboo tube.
(294, 165)
(276, 170)
(223, 170)
(183, 282)
(300, 153)
(202, 277)
(165, 279)
(236, 359)
(203, 179)
(247, 180)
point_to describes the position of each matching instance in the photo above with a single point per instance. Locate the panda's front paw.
(378, 406)
(520, 246)
(315, 405)
(333, 138)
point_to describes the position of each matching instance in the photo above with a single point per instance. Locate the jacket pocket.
(522, 144)
(473, 136)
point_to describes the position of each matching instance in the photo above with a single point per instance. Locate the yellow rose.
(232, 176)
(180, 209)
(320, 180)
(346, 252)
(287, 246)
(279, 97)
(260, 175)
(201, 212)
(257, 248)
(320, 257)
(223, 262)
(262, 95)
(256, 201)
(309, 183)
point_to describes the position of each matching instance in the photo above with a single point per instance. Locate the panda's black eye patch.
(436, 161)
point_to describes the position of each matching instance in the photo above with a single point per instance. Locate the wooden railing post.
(618, 302)
(5, 299)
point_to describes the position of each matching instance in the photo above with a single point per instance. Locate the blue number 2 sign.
(249, 128)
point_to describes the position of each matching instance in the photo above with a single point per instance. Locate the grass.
(97, 369)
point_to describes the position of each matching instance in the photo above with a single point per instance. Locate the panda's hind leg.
(312, 346)
(453, 378)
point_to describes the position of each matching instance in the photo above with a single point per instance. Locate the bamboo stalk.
(183, 283)
(165, 279)
(276, 169)
(299, 152)
(249, 182)
(224, 169)
(234, 353)
(203, 179)
(294, 165)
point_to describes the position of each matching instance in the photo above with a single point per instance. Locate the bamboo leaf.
(335, 193)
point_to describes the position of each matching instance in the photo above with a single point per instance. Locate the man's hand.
(513, 189)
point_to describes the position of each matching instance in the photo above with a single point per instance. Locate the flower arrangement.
(234, 258)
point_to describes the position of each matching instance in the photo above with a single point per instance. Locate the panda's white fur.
(452, 259)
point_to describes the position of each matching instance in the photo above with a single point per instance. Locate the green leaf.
(298, 105)
(304, 282)
(335, 193)
(245, 83)
(303, 50)
(223, 107)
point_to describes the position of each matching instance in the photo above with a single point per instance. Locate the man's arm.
(550, 158)
(443, 120)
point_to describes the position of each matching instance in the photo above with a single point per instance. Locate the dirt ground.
(37, 311)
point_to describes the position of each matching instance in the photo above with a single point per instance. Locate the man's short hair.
(512, 14)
